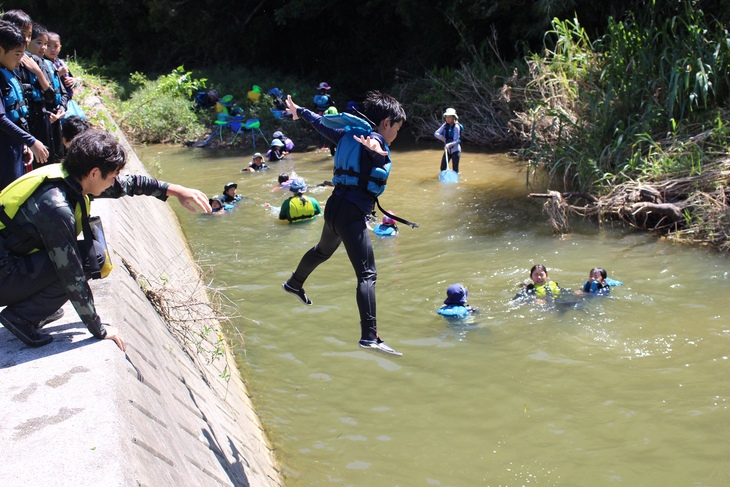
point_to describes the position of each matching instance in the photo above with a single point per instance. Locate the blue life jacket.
(55, 82)
(322, 102)
(449, 132)
(385, 230)
(31, 89)
(347, 156)
(454, 311)
(16, 108)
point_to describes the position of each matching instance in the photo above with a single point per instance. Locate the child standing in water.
(347, 209)
(450, 134)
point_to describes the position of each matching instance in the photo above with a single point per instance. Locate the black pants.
(454, 158)
(30, 288)
(345, 223)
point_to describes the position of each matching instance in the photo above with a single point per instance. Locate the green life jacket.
(17, 192)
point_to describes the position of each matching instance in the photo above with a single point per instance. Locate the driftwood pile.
(686, 207)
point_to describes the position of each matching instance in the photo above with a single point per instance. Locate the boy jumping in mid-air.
(351, 201)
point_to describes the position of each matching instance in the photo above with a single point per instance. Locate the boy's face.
(95, 184)
(10, 59)
(54, 47)
(389, 130)
(232, 192)
(258, 161)
(38, 45)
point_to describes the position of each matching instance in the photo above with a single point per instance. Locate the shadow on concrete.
(14, 352)
(235, 471)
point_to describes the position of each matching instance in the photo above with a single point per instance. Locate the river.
(629, 390)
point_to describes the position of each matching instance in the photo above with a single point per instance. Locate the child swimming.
(541, 287)
(455, 304)
(598, 282)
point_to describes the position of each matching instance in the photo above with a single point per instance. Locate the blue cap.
(456, 294)
(275, 92)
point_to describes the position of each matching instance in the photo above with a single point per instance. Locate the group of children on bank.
(36, 90)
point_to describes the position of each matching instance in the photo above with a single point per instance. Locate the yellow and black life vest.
(17, 192)
(300, 209)
(550, 288)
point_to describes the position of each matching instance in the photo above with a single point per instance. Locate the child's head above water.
(283, 177)
(598, 274)
(539, 274)
(230, 189)
(215, 203)
(456, 294)
(258, 159)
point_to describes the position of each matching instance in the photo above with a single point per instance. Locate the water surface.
(628, 390)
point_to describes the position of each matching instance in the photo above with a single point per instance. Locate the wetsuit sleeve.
(334, 135)
(12, 130)
(56, 225)
(136, 185)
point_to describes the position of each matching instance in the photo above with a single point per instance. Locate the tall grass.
(629, 103)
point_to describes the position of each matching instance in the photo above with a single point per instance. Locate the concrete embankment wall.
(79, 412)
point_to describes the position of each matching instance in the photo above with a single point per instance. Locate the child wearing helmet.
(299, 208)
(230, 193)
(387, 228)
(455, 304)
(276, 152)
(450, 134)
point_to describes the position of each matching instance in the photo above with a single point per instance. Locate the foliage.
(160, 111)
(626, 104)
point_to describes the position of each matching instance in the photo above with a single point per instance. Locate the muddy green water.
(628, 390)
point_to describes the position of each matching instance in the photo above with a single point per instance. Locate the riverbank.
(80, 412)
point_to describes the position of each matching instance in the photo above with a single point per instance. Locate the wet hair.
(538, 267)
(91, 149)
(73, 126)
(283, 177)
(603, 272)
(38, 30)
(379, 106)
(18, 18)
(10, 36)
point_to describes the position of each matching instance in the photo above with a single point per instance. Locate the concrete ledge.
(78, 412)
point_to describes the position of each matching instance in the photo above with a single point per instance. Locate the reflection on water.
(629, 389)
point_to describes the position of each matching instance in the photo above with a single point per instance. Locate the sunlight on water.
(630, 389)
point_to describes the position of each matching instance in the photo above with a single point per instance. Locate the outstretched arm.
(187, 196)
(291, 107)
(371, 143)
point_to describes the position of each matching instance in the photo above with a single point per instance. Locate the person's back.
(299, 208)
